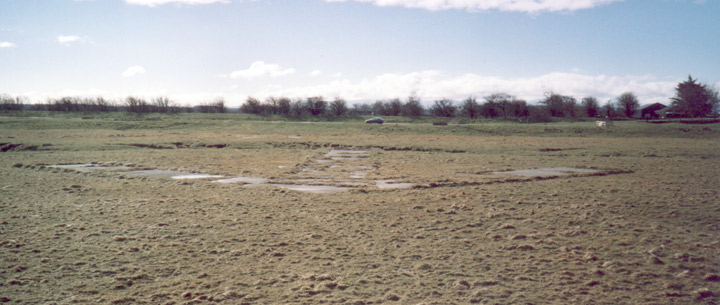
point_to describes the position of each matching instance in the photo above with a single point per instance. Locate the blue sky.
(194, 51)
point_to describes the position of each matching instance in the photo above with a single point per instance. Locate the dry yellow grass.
(650, 235)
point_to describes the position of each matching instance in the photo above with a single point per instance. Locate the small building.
(669, 113)
(649, 111)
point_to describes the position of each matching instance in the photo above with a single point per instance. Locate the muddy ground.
(644, 231)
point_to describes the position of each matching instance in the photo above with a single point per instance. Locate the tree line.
(130, 104)
(692, 99)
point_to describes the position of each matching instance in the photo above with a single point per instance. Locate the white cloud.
(261, 69)
(6, 44)
(68, 39)
(528, 6)
(154, 3)
(431, 85)
(133, 71)
(314, 73)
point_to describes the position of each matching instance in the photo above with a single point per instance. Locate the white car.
(375, 121)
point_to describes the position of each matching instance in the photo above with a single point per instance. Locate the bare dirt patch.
(552, 171)
(4, 147)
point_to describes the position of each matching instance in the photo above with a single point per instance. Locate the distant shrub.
(217, 106)
(10, 103)
(443, 108)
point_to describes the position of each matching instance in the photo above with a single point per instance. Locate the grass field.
(644, 229)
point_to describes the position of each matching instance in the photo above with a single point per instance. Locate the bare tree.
(137, 105)
(338, 107)
(361, 109)
(519, 108)
(501, 102)
(628, 103)
(393, 107)
(316, 105)
(413, 107)
(470, 108)
(219, 105)
(378, 108)
(609, 109)
(8, 102)
(443, 108)
(591, 106)
(297, 108)
(162, 104)
(104, 105)
(251, 106)
(570, 105)
(283, 106)
(216, 106)
(554, 104)
(271, 103)
(489, 109)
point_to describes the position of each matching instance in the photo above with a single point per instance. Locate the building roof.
(652, 105)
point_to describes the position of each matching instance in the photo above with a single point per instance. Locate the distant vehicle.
(375, 121)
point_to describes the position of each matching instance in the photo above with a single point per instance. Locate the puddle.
(242, 136)
(342, 154)
(391, 184)
(89, 167)
(354, 184)
(196, 176)
(318, 189)
(551, 171)
(158, 173)
(359, 174)
(246, 180)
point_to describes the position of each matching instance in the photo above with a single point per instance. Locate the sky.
(196, 51)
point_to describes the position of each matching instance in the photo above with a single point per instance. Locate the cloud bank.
(431, 85)
(527, 6)
(6, 44)
(260, 69)
(154, 3)
(133, 71)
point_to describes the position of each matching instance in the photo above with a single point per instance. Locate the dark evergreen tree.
(694, 99)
